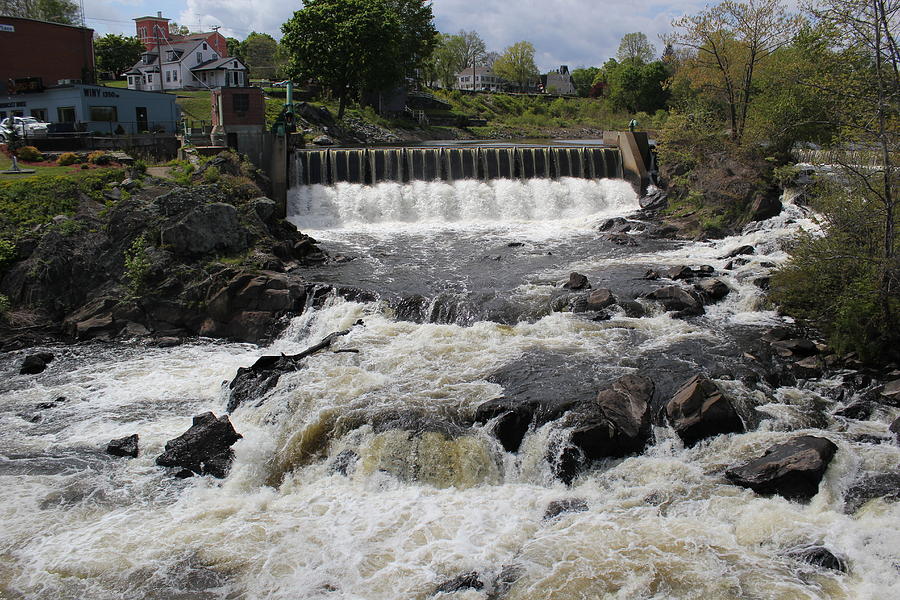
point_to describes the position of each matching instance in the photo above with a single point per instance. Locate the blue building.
(93, 108)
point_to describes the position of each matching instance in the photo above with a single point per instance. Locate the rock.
(617, 423)
(651, 275)
(125, 446)
(558, 507)
(799, 347)
(895, 429)
(792, 469)
(167, 342)
(765, 206)
(323, 140)
(615, 224)
(255, 381)
(682, 272)
(600, 298)
(858, 409)
(632, 308)
(35, 363)
(699, 410)
(129, 184)
(818, 556)
(712, 289)
(207, 228)
(683, 302)
(467, 581)
(891, 392)
(265, 209)
(344, 462)
(512, 420)
(577, 281)
(204, 449)
(807, 368)
(655, 201)
(763, 283)
(776, 334)
(740, 251)
(882, 485)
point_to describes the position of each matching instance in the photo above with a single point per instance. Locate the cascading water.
(359, 476)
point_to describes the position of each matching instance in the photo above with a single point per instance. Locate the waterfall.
(376, 165)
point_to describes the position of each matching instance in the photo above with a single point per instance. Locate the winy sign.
(7, 28)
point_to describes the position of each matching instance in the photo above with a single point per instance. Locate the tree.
(260, 51)
(731, 40)
(469, 49)
(176, 29)
(354, 45)
(848, 281)
(584, 79)
(635, 47)
(117, 53)
(55, 11)
(516, 64)
(234, 47)
(443, 63)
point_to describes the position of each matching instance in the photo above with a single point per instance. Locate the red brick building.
(154, 31)
(48, 52)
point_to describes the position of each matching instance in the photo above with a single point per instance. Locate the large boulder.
(617, 423)
(204, 449)
(712, 289)
(600, 298)
(466, 581)
(577, 281)
(792, 469)
(214, 227)
(699, 410)
(765, 206)
(684, 303)
(124, 446)
(35, 363)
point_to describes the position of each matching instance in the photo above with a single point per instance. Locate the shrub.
(29, 153)
(67, 158)
(5, 305)
(139, 167)
(99, 157)
(240, 188)
(211, 175)
(137, 265)
(7, 252)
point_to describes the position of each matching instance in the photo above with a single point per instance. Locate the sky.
(564, 32)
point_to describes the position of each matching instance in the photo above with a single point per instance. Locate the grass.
(40, 170)
(116, 83)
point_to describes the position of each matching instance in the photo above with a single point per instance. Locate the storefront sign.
(7, 28)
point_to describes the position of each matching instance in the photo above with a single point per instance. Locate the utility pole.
(158, 55)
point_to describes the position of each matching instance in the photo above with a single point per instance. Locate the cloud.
(570, 32)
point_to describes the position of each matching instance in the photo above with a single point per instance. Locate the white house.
(479, 79)
(191, 63)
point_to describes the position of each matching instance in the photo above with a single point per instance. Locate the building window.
(235, 64)
(103, 113)
(215, 56)
(174, 75)
(39, 113)
(2, 114)
(199, 57)
(149, 77)
(168, 75)
(204, 46)
(143, 32)
(65, 114)
(240, 103)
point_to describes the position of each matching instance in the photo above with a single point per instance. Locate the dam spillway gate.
(375, 165)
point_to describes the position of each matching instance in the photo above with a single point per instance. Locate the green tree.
(584, 79)
(260, 51)
(848, 282)
(55, 11)
(637, 87)
(176, 29)
(516, 64)
(731, 41)
(469, 48)
(635, 47)
(354, 45)
(443, 63)
(117, 53)
(234, 47)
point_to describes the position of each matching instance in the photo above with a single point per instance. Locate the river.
(464, 273)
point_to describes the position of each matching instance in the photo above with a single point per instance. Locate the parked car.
(27, 127)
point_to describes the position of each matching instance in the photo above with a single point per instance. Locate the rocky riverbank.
(158, 260)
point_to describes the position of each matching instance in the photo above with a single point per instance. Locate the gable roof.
(219, 63)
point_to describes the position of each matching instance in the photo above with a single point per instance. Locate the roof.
(11, 18)
(219, 63)
(156, 18)
(478, 71)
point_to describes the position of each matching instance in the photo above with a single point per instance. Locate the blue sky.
(570, 32)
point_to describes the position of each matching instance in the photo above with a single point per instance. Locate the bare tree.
(730, 41)
(635, 47)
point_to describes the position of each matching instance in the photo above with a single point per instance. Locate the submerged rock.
(792, 469)
(712, 289)
(35, 363)
(699, 410)
(558, 507)
(124, 446)
(882, 485)
(819, 556)
(740, 251)
(204, 449)
(466, 581)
